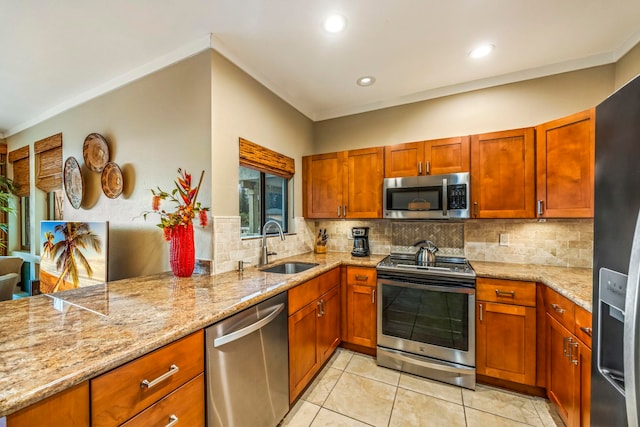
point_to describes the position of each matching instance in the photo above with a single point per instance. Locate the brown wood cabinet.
(314, 328)
(347, 184)
(120, 394)
(67, 408)
(568, 358)
(361, 313)
(565, 159)
(506, 330)
(568, 374)
(503, 174)
(438, 156)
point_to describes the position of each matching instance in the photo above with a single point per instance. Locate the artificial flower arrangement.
(187, 207)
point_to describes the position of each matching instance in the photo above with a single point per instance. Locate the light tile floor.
(352, 390)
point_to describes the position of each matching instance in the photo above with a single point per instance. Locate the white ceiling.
(57, 54)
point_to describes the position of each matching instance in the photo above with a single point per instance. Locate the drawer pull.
(173, 420)
(361, 277)
(510, 294)
(586, 330)
(148, 384)
(557, 308)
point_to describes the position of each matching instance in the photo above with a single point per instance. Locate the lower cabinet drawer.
(506, 291)
(120, 394)
(561, 308)
(183, 407)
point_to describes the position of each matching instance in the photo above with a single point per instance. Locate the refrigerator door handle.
(632, 332)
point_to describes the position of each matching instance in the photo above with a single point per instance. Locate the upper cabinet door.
(322, 187)
(363, 183)
(404, 160)
(565, 157)
(438, 156)
(503, 175)
(449, 155)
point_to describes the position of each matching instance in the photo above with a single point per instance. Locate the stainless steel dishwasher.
(248, 367)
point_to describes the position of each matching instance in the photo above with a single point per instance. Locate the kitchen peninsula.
(50, 344)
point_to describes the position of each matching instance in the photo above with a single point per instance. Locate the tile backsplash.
(566, 243)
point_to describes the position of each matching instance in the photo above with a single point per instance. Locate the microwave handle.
(445, 197)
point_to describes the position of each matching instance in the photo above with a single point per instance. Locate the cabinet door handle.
(373, 296)
(361, 278)
(510, 294)
(344, 211)
(540, 207)
(573, 345)
(148, 384)
(428, 164)
(173, 420)
(558, 308)
(339, 211)
(322, 304)
(319, 308)
(475, 209)
(586, 330)
(480, 305)
(565, 346)
(419, 168)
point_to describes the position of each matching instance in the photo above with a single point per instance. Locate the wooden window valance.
(265, 160)
(20, 160)
(48, 153)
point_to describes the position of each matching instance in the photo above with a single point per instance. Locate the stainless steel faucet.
(265, 252)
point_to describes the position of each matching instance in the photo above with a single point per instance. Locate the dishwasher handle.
(234, 336)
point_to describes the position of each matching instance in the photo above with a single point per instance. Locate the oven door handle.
(441, 366)
(435, 288)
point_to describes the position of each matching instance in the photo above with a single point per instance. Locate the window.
(263, 197)
(263, 188)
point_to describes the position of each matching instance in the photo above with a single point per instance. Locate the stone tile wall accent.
(229, 248)
(340, 239)
(447, 236)
(566, 243)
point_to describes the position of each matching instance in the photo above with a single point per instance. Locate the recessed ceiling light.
(334, 23)
(481, 51)
(366, 81)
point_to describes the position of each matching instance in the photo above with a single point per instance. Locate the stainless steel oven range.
(426, 318)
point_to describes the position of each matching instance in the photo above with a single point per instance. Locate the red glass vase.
(182, 252)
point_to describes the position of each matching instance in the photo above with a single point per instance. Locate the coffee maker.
(360, 241)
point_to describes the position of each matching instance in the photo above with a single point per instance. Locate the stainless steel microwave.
(427, 197)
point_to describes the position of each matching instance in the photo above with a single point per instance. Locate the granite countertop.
(48, 344)
(574, 283)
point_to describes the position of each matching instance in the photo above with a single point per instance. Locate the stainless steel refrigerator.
(616, 352)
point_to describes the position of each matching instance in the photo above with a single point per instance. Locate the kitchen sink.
(289, 267)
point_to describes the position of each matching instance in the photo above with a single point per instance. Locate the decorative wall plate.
(111, 179)
(73, 182)
(95, 152)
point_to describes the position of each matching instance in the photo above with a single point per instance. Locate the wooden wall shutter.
(48, 153)
(20, 160)
(265, 160)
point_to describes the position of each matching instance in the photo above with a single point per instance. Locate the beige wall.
(242, 107)
(509, 106)
(628, 67)
(154, 125)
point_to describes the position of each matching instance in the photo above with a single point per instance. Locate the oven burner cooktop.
(405, 264)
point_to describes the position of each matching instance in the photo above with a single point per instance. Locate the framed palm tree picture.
(73, 254)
